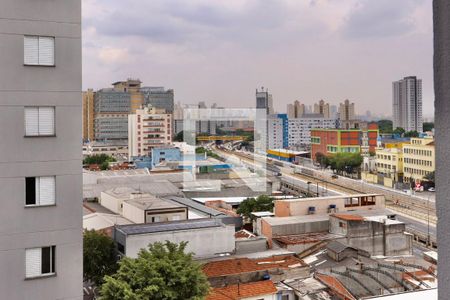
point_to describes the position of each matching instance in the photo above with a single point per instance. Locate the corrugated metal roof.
(196, 206)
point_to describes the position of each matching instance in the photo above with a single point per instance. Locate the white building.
(148, 128)
(274, 133)
(407, 104)
(300, 129)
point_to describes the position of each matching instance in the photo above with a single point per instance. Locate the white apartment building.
(274, 133)
(407, 104)
(148, 128)
(300, 129)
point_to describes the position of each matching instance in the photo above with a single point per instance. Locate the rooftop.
(274, 221)
(242, 291)
(306, 238)
(98, 221)
(135, 229)
(330, 197)
(151, 202)
(191, 204)
(430, 294)
(246, 265)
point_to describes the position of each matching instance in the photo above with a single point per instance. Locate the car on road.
(334, 176)
(431, 189)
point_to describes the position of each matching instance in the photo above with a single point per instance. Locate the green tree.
(249, 205)
(164, 271)
(399, 131)
(322, 159)
(345, 162)
(385, 126)
(98, 159)
(99, 258)
(412, 133)
(428, 126)
(104, 165)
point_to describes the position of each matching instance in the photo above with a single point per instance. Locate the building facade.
(331, 141)
(275, 132)
(159, 97)
(347, 111)
(264, 100)
(88, 115)
(148, 128)
(407, 104)
(296, 110)
(40, 165)
(299, 129)
(389, 163)
(323, 109)
(418, 159)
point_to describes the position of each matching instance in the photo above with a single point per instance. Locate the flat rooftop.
(151, 202)
(430, 294)
(274, 221)
(135, 229)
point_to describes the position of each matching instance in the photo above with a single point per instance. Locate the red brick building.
(330, 141)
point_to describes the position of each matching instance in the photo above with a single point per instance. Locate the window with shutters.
(40, 121)
(40, 262)
(40, 191)
(39, 51)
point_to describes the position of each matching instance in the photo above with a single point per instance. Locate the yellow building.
(132, 86)
(389, 162)
(88, 115)
(418, 159)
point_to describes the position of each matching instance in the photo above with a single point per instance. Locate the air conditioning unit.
(311, 210)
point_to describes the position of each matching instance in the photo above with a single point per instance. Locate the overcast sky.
(222, 50)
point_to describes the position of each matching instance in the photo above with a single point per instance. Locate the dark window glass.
(30, 191)
(46, 258)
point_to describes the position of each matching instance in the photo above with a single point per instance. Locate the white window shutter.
(46, 51)
(37, 190)
(31, 121)
(33, 264)
(47, 190)
(31, 50)
(46, 120)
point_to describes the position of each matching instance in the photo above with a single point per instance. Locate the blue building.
(284, 117)
(162, 154)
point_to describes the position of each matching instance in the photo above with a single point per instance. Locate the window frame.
(37, 192)
(38, 54)
(39, 135)
(51, 261)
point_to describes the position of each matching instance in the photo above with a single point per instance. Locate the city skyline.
(335, 51)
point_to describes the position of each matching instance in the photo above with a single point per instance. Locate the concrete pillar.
(441, 16)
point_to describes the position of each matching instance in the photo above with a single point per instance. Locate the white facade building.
(148, 128)
(407, 104)
(300, 128)
(274, 133)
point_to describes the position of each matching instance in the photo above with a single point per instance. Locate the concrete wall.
(132, 213)
(60, 156)
(300, 207)
(165, 216)
(251, 245)
(205, 242)
(374, 237)
(110, 202)
(441, 12)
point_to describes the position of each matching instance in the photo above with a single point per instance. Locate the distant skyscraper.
(347, 111)
(295, 110)
(407, 104)
(323, 109)
(264, 100)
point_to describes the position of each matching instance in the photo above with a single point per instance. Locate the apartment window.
(40, 191)
(39, 51)
(40, 121)
(40, 261)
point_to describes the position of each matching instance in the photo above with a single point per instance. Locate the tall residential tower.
(40, 161)
(407, 104)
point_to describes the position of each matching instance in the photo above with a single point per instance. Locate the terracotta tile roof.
(246, 265)
(243, 234)
(348, 217)
(335, 285)
(242, 291)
